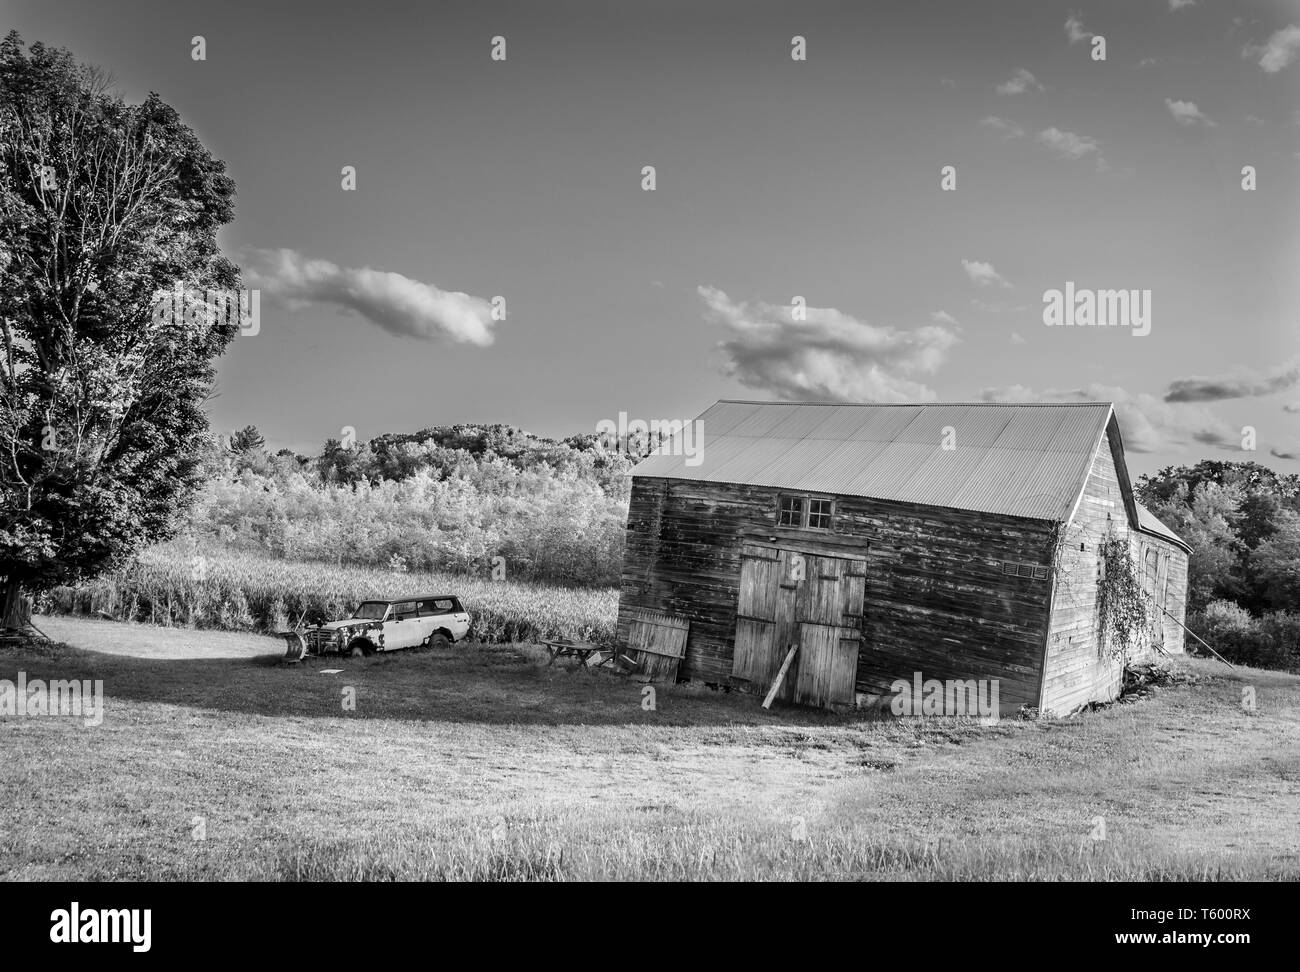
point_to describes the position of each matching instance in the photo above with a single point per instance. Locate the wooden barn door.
(656, 642)
(830, 630)
(821, 611)
(765, 618)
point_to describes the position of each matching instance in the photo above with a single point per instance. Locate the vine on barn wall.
(1121, 604)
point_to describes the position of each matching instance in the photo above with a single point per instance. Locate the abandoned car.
(426, 620)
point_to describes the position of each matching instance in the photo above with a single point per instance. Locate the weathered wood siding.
(938, 599)
(1076, 672)
(1169, 591)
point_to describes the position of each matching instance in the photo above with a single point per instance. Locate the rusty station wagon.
(424, 620)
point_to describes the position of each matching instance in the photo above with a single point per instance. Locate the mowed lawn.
(216, 762)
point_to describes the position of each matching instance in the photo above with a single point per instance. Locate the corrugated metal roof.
(1151, 523)
(1025, 460)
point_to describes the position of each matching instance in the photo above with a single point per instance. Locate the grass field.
(481, 762)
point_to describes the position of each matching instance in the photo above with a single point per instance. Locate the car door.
(402, 629)
(445, 612)
(459, 620)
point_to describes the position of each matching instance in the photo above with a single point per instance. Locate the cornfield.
(244, 592)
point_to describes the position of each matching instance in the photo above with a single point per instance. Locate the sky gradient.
(775, 178)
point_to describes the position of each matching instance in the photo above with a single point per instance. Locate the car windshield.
(371, 610)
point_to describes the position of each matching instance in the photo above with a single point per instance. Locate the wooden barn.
(957, 541)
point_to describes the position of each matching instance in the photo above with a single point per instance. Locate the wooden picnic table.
(581, 650)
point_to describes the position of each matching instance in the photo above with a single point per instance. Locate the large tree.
(102, 206)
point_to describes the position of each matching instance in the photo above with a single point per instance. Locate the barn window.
(791, 511)
(805, 511)
(819, 514)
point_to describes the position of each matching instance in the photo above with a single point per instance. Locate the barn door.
(830, 631)
(765, 617)
(656, 643)
(815, 602)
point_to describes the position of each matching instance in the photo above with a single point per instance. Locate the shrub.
(1270, 641)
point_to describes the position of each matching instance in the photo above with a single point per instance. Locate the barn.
(897, 542)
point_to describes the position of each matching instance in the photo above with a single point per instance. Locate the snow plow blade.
(295, 648)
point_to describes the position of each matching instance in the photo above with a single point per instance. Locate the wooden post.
(780, 677)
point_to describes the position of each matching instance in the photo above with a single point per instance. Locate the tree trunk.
(12, 607)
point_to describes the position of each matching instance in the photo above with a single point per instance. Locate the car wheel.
(358, 650)
(439, 641)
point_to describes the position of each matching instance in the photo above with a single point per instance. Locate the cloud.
(1067, 145)
(1075, 30)
(1176, 5)
(1147, 423)
(1255, 120)
(1278, 51)
(1292, 407)
(1292, 453)
(943, 317)
(831, 356)
(1020, 82)
(391, 301)
(1244, 383)
(983, 274)
(1008, 129)
(1017, 339)
(1186, 113)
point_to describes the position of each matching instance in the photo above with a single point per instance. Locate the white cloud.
(831, 356)
(1291, 407)
(1186, 113)
(983, 274)
(389, 300)
(943, 317)
(1255, 120)
(1020, 82)
(1067, 145)
(1175, 5)
(1017, 339)
(1147, 423)
(1278, 51)
(1075, 30)
(1008, 129)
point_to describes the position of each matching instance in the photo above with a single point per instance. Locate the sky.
(798, 243)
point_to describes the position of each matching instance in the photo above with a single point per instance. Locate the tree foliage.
(102, 205)
(1239, 518)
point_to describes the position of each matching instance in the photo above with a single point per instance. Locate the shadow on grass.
(470, 683)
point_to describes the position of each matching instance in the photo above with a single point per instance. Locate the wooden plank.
(780, 677)
(755, 642)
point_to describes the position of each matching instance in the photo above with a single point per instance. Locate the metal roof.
(1027, 460)
(1148, 522)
